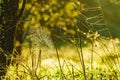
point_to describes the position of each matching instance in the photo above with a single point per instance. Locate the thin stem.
(73, 73)
(62, 74)
(92, 58)
(80, 54)
(82, 61)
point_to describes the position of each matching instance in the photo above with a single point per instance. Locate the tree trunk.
(8, 20)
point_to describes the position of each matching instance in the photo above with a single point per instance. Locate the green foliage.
(65, 20)
(1, 1)
(60, 17)
(54, 13)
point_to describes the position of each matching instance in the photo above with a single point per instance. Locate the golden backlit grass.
(45, 64)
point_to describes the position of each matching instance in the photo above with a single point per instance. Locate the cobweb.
(92, 26)
(95, 20)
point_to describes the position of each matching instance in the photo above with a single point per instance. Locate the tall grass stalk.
(92, 53)
(62, 74)
(32, 74)
(39, 62)
(80, 55)
(67, 66)
(108, 53)
(73, 73)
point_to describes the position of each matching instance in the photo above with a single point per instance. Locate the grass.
(65, 63)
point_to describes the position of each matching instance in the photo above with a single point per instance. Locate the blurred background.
(64, 24)
(63, 17)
